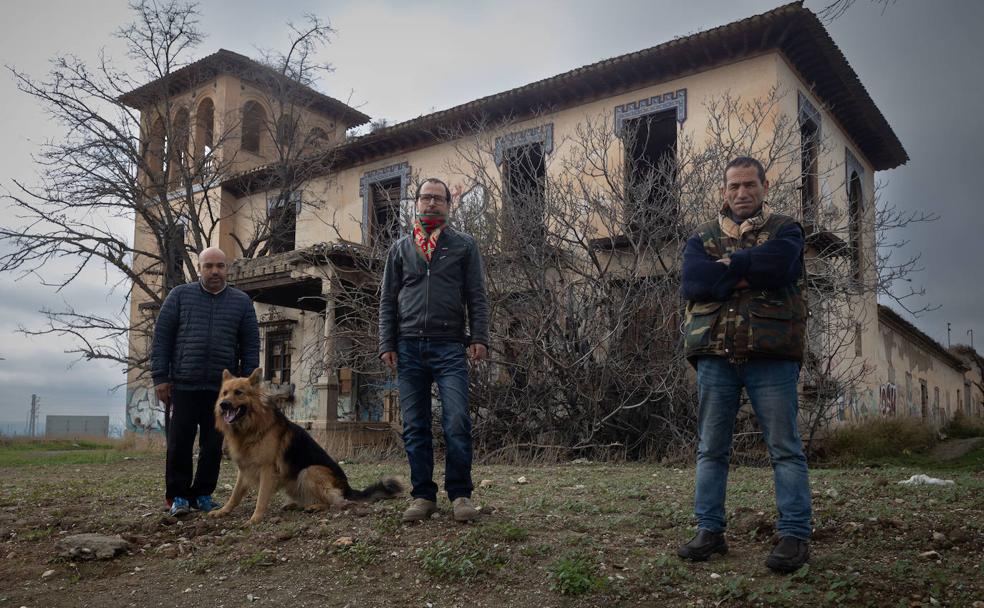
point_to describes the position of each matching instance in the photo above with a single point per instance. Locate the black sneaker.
(702, 546)
(789, 554)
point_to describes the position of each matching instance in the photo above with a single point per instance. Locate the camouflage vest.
(754, 323)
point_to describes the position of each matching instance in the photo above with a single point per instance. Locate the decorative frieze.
(542, 134)
(674, 100)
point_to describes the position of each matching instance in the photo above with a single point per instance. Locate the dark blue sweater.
(772, 264)
(198, 334)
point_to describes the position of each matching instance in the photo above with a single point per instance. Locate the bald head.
(213, 269)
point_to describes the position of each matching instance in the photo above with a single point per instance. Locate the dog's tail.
(387, 487)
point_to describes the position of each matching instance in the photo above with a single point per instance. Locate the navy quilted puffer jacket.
(198, 334)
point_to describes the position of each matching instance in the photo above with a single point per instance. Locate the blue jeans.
(420, 363)
(771, 387)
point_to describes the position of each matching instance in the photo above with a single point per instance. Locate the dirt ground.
(579, 534)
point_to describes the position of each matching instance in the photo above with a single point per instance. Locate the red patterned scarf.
(426, 243)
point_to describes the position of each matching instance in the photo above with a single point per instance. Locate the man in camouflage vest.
(746, 328)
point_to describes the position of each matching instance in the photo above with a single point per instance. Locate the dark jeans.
(422, 362)
(192, 412)
(771, 387)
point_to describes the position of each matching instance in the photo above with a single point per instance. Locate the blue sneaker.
(206, 504)
(180, 507)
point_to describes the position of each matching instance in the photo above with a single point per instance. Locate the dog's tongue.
(229, 415)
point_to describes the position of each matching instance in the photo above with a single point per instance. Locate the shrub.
(963, 426)
(879, 438)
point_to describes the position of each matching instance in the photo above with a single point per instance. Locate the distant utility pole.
(948, 335)
(971, 332)
(35, 406)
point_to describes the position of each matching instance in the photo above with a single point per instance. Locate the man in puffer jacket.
(203, 328)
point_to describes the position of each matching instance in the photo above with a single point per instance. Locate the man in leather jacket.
(433, 312)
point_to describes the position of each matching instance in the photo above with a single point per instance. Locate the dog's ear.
(256, 376)
(226, 375)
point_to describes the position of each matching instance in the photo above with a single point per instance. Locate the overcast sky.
(920, 61)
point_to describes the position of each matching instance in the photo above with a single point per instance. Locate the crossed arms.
(772, 264)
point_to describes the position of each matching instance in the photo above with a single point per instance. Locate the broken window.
(809, 183)
(205, 133)
(282, 214)
(180, 131)
(924, 398)
(254, 119)
(278, 354)
(650, 173)
(855, 219)
(385, 211)
(524, 180)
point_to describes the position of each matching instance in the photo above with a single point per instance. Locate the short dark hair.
(745, 161)
(434, 180)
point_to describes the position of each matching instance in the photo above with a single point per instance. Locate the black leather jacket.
(429, 300)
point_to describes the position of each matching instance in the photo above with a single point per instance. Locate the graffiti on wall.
(887, 399)
(144, 414)
(307, 407)
(860, 405)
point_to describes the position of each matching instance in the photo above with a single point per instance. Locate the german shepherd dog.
(272, 452)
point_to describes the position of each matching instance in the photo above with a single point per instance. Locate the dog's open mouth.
(232, 414)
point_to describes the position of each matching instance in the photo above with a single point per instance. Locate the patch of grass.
(537, 550)
(26, 451)
(363, 554)
(388, 524)
(575, 574)
(503, 531)
(664, 572)
(880, 438)
(465, 558)
(38, 534)
(201, 565)
(260, 558)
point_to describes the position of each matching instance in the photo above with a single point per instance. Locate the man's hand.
(477, 352)
(389, 358)
(163, 391)
(725, 261)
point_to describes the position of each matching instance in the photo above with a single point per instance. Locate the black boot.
(788, 555)
(703, 546)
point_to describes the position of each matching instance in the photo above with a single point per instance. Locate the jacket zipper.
(427, 294)
(208, 343)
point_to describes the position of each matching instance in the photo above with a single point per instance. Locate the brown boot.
(419, 510)
(464, 510)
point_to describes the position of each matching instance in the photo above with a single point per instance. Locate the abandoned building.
(349, 203)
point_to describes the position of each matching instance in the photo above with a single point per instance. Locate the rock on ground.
(92, 546)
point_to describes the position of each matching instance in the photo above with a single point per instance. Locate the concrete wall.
(909, 366)
(76, 426)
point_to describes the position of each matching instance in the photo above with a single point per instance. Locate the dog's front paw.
(218, 513)
(252, 521)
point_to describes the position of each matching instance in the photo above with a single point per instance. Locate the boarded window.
(278, 355)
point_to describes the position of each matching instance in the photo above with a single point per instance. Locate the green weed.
(575, 574)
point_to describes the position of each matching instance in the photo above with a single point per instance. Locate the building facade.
(346, 198)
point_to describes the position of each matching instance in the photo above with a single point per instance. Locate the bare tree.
(133, 154)
(582, 249)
